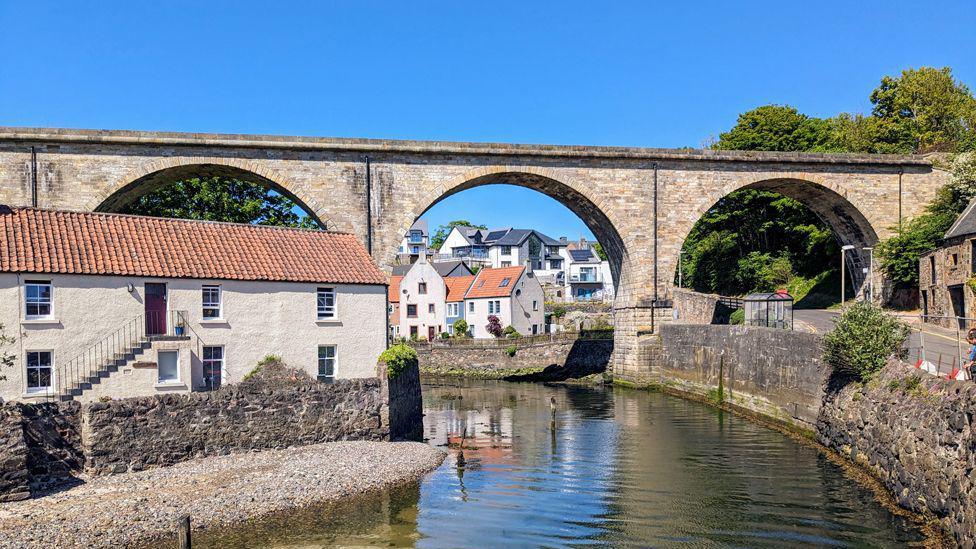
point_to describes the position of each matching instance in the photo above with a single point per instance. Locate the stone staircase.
(103, 371)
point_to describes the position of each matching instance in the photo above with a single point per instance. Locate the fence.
(929, 341)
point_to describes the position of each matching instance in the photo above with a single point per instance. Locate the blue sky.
(621, 73)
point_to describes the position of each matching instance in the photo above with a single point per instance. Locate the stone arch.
(162, 172)
(571, 194)
(848, 223)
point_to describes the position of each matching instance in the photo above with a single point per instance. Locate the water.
(620, 468)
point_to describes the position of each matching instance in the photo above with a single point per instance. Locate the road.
(940, 343)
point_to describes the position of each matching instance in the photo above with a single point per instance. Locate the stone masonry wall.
(136, 433)
(40, 445)
(697, 308)
(490, 359)
(917, 433)
(777, 373)
(14, 477)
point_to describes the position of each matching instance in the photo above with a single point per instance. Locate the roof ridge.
(170, 219)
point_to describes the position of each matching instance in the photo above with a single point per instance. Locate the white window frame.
(27, 368)
(204, 290)
(323, 310)
(535, 305)
(453, 310)
(222, 360)
(335, 363)
(178, 378)
(38, 302)
(471, 306)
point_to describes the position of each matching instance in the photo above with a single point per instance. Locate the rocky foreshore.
(125, 509)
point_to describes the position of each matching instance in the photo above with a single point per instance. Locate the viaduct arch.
(641, 203)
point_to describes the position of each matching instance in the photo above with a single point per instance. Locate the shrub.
(445, 335)
(398, 358)
(558, 310)
(738, 316)
(511, 333)
(862, 340)
(494, 326)
(266, 362)
(511, 350)
(460, 327)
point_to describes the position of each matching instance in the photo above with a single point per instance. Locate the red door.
(155, 308)
(430, 333)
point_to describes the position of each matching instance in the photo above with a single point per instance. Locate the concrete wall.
(259, 318)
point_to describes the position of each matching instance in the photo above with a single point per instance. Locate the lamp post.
(870, 273)
(843, 268)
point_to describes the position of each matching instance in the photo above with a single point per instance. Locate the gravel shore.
(124, 509)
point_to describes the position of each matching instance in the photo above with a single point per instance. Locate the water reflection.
(615, 468)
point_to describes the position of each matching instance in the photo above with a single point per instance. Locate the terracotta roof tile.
(488, 282)
(48, 241)
(393, 293)
(457, 286)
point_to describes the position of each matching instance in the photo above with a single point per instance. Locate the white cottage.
(108, 305)
(513, 294)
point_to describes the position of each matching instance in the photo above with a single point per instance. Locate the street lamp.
(870, 272)
(843, 251)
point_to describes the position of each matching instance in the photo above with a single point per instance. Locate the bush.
(738, 316)
(862, 341)
(511, 333)
(398, 358)
(494, 326)
(460, 327)
(445, 335)
(558, 310)
(511, 350)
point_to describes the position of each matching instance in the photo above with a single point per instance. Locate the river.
(618, 467)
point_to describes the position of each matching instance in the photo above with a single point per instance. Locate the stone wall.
(40, 445)
(777, 373)
(917, 433)
(14, 478)
(941, 272)
(557, 359)
(697, 308)
(405, 411)
(136, 433)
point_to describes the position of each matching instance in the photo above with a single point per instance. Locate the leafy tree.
(511, 333)
(494, 326)
(460, 327)
(441, 234)
(923, 110)
(217, 198)
(600, 252)
(6, 359)
(777, 128)
(863, 339)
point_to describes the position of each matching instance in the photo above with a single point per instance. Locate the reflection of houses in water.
(487, 433)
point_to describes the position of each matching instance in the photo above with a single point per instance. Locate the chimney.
(528, 266)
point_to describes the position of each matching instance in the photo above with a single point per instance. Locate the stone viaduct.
(640, 203)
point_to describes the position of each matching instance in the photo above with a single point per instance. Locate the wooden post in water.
(552, 413)
(185, 532)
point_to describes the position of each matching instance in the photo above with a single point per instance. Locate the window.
(37, 297)
(932, 269)
(326, 303)
(471, 306)
(430, 308)
(421, 288)
(415, 249)
(213, 366)
(955, 259)
(555, 264)
(506, 250)
(168, 367)
(504, 282)
(327, 363)
(537, 264)
(535, 329)
(416, 237)
(506, 263)
(211, 302)
(535, 305)
(411, 311)
(453, 309)
(413, 332)
(494, 307)
(40, 371)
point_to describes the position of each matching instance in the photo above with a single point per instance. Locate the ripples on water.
(621, 468)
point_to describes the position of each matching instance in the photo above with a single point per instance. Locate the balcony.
(586, 277)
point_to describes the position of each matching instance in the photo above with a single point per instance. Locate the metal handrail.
(78, 371)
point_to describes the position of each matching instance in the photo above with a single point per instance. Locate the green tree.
(924, 109)
(217, 198)
(460, 327)
(6, 359)
(600, 252)
(440, 235)
(777, 128)
(863, 340)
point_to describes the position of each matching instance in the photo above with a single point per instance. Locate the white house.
(107, 305)
(427, 302)
(508, 247)
(415, 243)
(513, 294)
(588, 277)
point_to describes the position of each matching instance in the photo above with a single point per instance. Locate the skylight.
(505, 282)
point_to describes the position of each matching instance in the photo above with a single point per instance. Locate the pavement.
(942, 346)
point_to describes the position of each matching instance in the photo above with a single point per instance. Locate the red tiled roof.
(487, 283)
(457, 286)
(47, 241)
(393, 293)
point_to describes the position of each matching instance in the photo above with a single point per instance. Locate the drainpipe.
(369, 208)
(33, 177)
(654, 165)
(900, 172)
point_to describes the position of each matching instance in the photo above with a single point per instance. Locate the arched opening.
(214, 192)
(781, 233)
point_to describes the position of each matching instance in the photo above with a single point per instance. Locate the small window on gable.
(421, 288)
(37, 298)
(430, 308)
(326, 303)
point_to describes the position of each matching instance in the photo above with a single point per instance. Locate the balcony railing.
(584, 277)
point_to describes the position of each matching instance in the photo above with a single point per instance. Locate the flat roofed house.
(513, 294)
(119, 305)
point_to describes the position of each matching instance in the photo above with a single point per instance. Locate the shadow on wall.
(586, 357)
